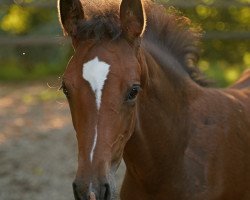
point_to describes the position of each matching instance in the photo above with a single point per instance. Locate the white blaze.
(94, 145)
(96, 72)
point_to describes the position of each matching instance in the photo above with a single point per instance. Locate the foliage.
(227, 53)
(223, 57)
(22, 62)
(16, 21)
(32, 62)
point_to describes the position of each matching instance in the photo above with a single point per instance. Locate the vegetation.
(226, 44)
(30, 61)
(226, 47)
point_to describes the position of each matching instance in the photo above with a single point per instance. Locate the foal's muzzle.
(101, 192)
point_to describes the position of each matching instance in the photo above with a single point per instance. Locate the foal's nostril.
(76, 195)
(105, 192)
(108, 192)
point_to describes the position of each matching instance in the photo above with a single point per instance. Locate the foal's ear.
(132, 19)
(70, 14)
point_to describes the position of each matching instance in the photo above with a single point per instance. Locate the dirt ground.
(38, 156)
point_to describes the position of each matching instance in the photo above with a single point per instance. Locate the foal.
(135, 93)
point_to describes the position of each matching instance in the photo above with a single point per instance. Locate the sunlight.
(244, 15)
(16, 21)
(204, 65)
(57, 123)
(203, 11)
(232, 74)
(245, 1)
(6, 102)
(246, 58)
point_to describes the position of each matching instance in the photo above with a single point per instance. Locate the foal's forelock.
(95, 72)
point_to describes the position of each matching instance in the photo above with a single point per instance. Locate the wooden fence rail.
(60, 40)
(33, 41)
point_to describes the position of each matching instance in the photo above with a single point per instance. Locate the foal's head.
(102, 82)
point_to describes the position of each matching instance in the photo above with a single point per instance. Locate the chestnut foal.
(135, 93)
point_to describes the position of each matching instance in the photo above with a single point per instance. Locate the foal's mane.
(169, 29)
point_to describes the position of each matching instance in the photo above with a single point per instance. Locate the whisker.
(51, 87)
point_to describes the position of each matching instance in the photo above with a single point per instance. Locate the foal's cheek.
(131, 122)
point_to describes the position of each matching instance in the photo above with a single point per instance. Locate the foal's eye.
(133, 93)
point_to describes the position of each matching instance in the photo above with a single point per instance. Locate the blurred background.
(37, 143)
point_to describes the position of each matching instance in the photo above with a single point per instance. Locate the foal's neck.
(156, 149)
